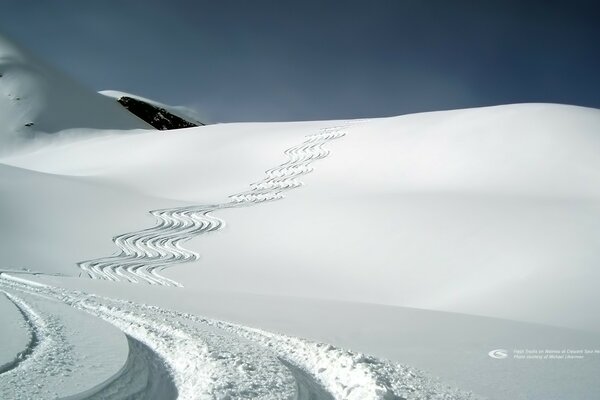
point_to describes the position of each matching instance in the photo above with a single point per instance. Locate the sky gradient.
(282, 60)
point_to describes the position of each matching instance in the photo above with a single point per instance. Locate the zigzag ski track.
(143, 254)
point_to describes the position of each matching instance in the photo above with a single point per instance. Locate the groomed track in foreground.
(190, 357)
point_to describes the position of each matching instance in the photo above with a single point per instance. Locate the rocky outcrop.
(156, 116)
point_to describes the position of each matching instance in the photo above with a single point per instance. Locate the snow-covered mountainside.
(37, 100)
(299, 260)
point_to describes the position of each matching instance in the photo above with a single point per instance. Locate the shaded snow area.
(352, 260)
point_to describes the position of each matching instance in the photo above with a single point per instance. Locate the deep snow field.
(364, 259)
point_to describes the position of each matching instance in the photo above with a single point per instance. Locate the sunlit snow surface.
(204, 358)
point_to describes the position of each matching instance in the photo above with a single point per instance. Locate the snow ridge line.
(143, 254)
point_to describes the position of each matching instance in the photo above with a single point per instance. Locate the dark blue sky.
(290, 60)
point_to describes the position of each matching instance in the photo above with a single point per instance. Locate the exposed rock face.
(156, 116)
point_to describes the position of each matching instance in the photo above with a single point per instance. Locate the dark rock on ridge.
(158, 117)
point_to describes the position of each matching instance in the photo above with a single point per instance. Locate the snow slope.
(479, 212)
(463, 227)
(37, 94)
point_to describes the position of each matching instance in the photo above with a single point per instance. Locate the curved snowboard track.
(143, 254)
(211, 359)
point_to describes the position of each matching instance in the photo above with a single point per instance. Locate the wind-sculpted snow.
(143, 254)
(211, 359)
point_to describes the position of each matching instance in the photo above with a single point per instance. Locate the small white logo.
(498, 353)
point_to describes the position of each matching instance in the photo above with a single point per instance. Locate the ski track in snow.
(143, 254)
(190, 357)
